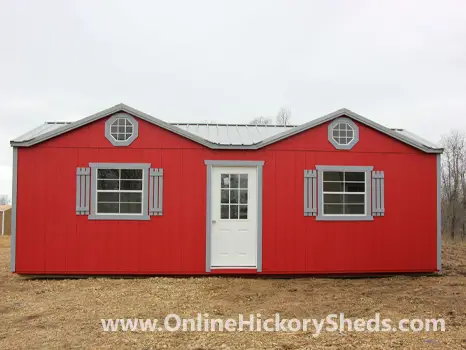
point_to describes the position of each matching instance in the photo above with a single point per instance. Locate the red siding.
(52, 239)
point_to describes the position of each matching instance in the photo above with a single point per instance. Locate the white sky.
(399, 63)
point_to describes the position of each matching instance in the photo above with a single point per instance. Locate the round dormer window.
(343, 133)
(121, 129)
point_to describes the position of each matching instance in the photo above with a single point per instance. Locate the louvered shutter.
(378, 188)
(155, 191)
(83, 179)
(310, 192)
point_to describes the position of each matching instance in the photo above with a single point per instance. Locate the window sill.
(344, 218)
(118, 217)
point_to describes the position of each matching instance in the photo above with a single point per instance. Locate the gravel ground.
(66, 313)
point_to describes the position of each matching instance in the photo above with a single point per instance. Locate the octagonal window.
(121, 129)
(343, 133)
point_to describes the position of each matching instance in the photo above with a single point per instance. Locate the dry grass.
(66, 313)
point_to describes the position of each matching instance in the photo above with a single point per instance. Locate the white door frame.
(233, 163)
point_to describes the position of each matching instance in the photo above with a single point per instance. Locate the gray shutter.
(155, 191)
(310, 192)
(83, 179)
(378, 206)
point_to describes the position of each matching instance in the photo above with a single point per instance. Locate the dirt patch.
(66, 313)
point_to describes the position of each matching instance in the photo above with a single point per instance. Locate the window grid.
(121, 192)
(343, 133)
(121, 129)
(344, 193)
(234, 196)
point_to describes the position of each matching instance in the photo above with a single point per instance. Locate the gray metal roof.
(222, 136)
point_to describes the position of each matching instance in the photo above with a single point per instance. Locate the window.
(344, 192)
(119, 191)
(343, 133)
(121, 129)
(234, 196)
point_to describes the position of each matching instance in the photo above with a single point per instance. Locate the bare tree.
(261, 121)
(454, 184)
(4, 199)
(284, 116)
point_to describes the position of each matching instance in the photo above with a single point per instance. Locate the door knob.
(214, 221)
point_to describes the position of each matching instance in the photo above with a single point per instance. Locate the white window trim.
(343, 217)
(94, 215)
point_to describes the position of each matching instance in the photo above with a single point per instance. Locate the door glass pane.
(243, 211)
(233, 212)
(233, 196)
(243, 180)
(234, 181)
(243, 196)
(224, 211)
(224, 180)
(225, 196)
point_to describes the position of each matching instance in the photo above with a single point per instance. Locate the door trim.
(233, 163)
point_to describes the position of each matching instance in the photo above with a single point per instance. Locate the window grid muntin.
(119, 191)
(344, 193)
(239, 207)
(343, 133)
(121, 129)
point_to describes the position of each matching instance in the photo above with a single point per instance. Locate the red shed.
(121, 192)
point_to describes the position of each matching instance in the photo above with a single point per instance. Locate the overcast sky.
(399, 63)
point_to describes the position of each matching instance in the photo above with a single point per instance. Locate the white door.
(234, 217)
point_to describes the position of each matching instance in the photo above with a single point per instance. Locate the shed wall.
(51, 239)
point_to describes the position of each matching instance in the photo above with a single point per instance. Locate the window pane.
(355, 187)
(107, 184)
(233, 212)
(225, 196)
(114, 129)
(333, 176)
(243, 211)
(130, 208)
(243, 196)
(243, 181)
(336, 134)
(121, 137)
(354, 209)
(224, 211)
(333, 198)
(107, 208)
(107, 196)
(121, 129)
(233, 196)
(333, 209)
(130, 197)
(132, 185)
(234, 181)
(353, 176)
(121, 121)
(108, 173)
(129, 129)
(354, 198)
(131, 173)
(333, 186)
(225, 181)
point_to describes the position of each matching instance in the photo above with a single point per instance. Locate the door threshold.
(233, 267)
